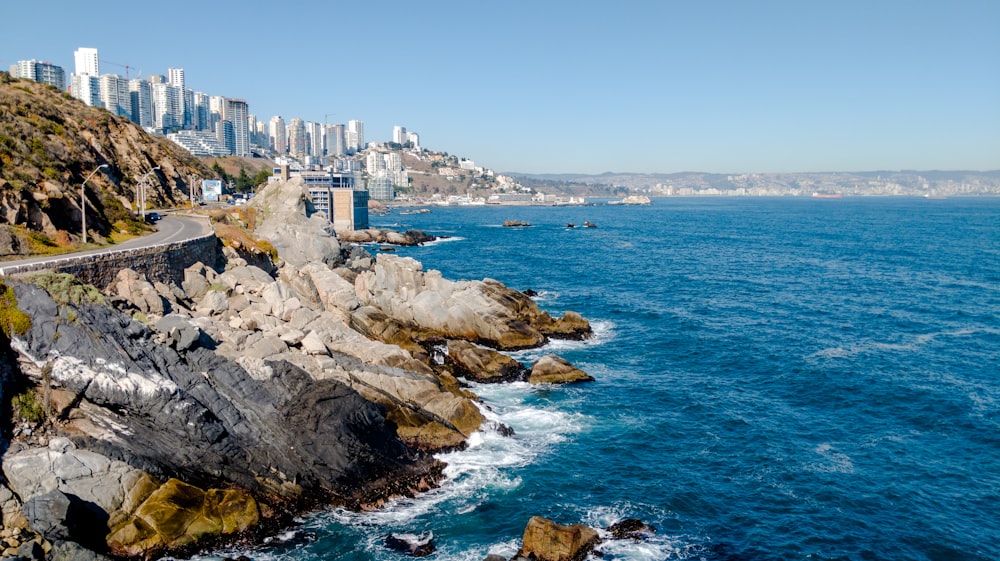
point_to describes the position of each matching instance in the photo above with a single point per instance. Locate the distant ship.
(828, 195)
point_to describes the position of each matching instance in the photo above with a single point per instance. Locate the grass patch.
(65, 288)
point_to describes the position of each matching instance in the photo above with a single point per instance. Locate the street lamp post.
(83, 204)
(142, 185)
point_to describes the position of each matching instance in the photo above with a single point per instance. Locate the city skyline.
(721, 87)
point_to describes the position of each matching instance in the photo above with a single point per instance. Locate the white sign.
(211, 189)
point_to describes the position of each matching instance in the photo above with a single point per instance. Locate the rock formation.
(544, 540)
(241, 396)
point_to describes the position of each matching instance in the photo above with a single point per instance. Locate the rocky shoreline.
(179, 416)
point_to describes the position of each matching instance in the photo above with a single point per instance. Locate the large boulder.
(480, 364)
(292, 225)
(544, 540)
(485, 311)
(552, 369)
(178, 514)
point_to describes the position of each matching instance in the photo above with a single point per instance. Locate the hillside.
(50, 143)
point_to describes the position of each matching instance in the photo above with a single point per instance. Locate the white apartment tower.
(175, 77)
(399, 134)
(141, 102)
(314, 131)
(355, 136)
(83, 82)
(278, 135)
(335, 140)
(86, 62)
(115, 94)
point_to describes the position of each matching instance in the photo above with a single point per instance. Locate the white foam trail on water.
(439, 241)
(488, 465)
(604, 332)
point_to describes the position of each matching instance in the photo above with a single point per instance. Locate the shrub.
(27, 406)
(12, 320)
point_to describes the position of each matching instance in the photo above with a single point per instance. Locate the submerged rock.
(410, 544)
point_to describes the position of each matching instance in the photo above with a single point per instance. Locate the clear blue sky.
(580, 87)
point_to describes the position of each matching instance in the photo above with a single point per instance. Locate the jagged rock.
(11, 515)
(292, 225)
(544, 540)
(334, 292)
(480, 311)
(198, 279)
(48, 514)
(135, 289)
(313, 344)
(178, 514)
(631, 529)
(410, 544)
(182, 334)
(200, 417)
(214, 302)
(246, 278)
(551, 369)
(70, 551)
(483, 365)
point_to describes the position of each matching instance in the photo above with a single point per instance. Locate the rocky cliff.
(174, 415)
(50, 143)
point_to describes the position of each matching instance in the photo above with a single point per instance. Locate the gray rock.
(182, 334)
(47, 514)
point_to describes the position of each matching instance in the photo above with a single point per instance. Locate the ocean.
(775, 379)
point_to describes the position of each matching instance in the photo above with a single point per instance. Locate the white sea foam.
(488, 465)
(439, 241)
(831, 461)
(604, 332)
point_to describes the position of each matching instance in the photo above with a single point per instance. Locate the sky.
(552, 86)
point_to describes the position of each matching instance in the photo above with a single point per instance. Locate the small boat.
(589, 224)
(571, 225)
(827, 195)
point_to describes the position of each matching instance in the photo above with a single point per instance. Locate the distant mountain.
(50, 143)
(867, 183)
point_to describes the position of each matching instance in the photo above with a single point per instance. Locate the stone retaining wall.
(164, 262)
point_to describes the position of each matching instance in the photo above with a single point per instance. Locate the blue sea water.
(776, 379)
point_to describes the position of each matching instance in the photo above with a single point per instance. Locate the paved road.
(170, 229)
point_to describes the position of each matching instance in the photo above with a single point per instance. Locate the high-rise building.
(374, 163)
(141, 102)
(175, 77)
(355, 136)
(86, 62)
(44, 72)
(399, 134)
(335, 141)
(314, 132)
(414, 139)
(114, 94)
(168, 113)
(278, 136)
(86, 88)
(297, 139)
(83, 82)
(200, 112)
(237, 111)
(215, 103)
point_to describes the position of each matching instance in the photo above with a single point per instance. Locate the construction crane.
(125, 66)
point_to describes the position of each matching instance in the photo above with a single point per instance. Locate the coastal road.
(170, 229)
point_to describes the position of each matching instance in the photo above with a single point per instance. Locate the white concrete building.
(141, 102)
(278, 135)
